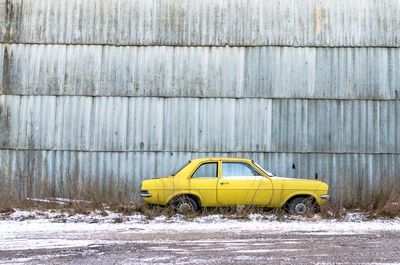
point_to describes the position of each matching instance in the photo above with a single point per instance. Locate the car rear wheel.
(185, 205)
(301, 206)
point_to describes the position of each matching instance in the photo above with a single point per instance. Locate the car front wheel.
(301, 206)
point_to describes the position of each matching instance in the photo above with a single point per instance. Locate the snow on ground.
(36, 221)
(36, 229)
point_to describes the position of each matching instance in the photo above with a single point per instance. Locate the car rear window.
(207, 170)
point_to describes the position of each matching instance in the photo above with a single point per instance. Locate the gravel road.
(132, 246)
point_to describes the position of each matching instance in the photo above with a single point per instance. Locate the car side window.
(207, 170)
(231, 169)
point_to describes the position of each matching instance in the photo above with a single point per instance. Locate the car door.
(241, 184)
(204, 182)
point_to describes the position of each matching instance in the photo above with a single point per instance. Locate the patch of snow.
(23, 244)
(59, 216)
(248, 251)
(243, 257)
(17, 261)
(57, 200)
(355, 217)
(32, 258)
(154, 259)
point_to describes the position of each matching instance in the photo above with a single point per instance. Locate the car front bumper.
(325, 197)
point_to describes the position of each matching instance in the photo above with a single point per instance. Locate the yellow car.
(210, 182)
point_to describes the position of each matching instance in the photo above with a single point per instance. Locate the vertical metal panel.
(3, 20)
(126, 71)
(5, 68)
(337, 73)
(190, 22)
(141, 124)
(275, 72)
(359, 126)
(193, 124)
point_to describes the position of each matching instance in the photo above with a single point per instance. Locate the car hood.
(295, 183)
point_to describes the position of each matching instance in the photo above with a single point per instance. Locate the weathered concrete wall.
(113, 92)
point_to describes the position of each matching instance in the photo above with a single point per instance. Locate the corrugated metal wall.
(200, 124)
(112, 92)
(203, 23)
(168, 71)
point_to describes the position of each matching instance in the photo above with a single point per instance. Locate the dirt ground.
(185, 247)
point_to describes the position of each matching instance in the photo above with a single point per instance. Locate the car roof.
(221, 158)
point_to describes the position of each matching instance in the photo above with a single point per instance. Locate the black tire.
(301, 206)
(185, 205)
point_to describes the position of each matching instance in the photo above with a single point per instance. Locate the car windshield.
(177, 171)
(265, 171)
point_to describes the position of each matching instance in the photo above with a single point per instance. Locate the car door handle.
(223, 183)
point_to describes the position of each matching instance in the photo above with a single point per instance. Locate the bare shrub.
(22, 169)
(383, 200)
(331, 210)
(126, 208)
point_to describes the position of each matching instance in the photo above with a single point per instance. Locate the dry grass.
(383, 208)
(383, 201)
(386, 201)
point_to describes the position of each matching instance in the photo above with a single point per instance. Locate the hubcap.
(184, 208)
(300, 208)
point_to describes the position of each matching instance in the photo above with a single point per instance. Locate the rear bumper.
(145, 194)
